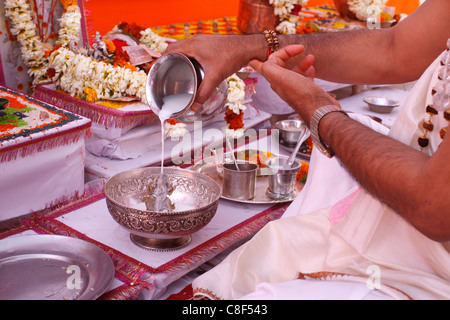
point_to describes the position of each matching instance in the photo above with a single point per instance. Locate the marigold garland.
(110, 46)
(90, 95)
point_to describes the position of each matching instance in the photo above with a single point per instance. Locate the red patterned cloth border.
(97, 113)
(33, 146)
(12, 232)
(136, 275)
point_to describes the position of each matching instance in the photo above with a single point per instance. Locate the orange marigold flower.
(133, 29)
(235, 123)
(110, 46)
(130, 66)
(121, 58)
(303, 172)
(172, 122)
(91, 94)
(68, 3)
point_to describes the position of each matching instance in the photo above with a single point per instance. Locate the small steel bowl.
(381, 105)
(195, 198)
(290, 130)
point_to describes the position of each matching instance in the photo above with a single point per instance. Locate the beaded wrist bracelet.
(272, 41)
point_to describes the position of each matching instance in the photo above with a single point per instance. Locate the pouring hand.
(219, 56)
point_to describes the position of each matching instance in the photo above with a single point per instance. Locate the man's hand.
(220, 57)
(296, 86)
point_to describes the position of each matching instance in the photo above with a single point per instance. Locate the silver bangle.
(314, 128)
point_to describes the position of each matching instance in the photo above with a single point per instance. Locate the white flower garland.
(175, 131)
(76, 72)
(236, 94)
(153, 41)
(283, 9)
(31, 47)
(361, 8)
(69, 26)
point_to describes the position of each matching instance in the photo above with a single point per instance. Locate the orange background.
(103, 15)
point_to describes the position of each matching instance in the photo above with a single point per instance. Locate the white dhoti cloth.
(337, 241)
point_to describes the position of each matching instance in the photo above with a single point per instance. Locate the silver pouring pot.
(175, 73)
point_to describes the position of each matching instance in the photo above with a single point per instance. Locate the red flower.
(51, 72)
(119, 44)
(297, 8)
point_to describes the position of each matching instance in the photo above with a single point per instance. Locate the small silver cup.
(281, 179)
(239, 184)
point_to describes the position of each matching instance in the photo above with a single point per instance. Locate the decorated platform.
(41, 154)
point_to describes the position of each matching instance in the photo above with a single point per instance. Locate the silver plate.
(300, 155)
(50, 267)
(262, 182)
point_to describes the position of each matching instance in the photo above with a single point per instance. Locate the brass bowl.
(195, 198)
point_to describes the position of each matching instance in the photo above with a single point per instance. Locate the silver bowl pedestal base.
(161, 244)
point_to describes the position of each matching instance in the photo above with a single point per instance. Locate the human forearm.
(408, 181)
(357, 56)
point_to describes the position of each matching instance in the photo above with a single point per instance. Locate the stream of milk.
(172, 104)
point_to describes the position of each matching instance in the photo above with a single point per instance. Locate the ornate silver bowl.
(195, 198)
